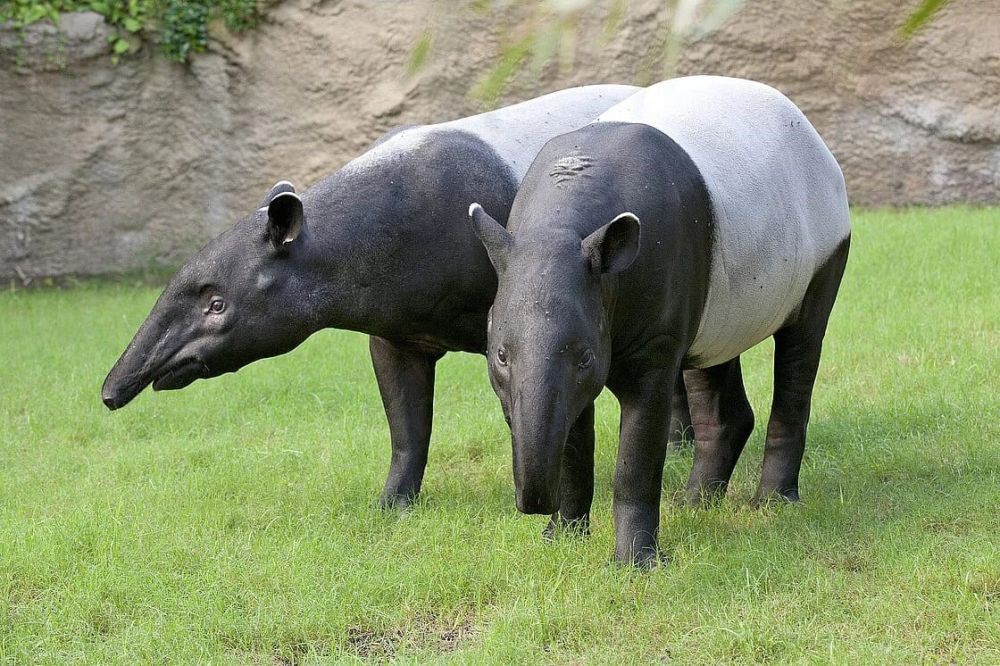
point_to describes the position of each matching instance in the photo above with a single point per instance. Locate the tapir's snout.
(538, 431)
(537, 499)
(111, 400)
(118, 392)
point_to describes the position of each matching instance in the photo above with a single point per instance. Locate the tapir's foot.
(771, 496)
(644, 559)
(639, 550)
(396, 501)
(560, 526)
(705, 494)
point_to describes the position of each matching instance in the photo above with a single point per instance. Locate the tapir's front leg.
(639, 473)
(405, 375)
(576, 485)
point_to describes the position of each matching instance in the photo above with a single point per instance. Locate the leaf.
(490, 87)
(132, 25)
(121, 46)
(920, 16)
(418, 57)
(616, 14)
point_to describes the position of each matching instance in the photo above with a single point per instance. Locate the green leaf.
(132, 25)
(490, 87)
(121, 46)
(921, 15)
(418, 57)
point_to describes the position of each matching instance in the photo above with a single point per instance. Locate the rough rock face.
(106, 168)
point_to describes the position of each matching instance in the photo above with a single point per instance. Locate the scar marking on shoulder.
(571, 166)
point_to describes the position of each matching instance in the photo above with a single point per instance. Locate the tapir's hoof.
(559, 526)
(645, 559)
(707, 495)
(396, 501)
(772, 497)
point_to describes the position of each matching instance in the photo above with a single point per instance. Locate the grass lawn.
(234, 521)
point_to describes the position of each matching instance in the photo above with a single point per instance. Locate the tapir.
(382, 246)
(690, 222)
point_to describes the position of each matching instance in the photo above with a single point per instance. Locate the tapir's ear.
(492, 234)
(276, 189)
(284, 218)
(613, 247)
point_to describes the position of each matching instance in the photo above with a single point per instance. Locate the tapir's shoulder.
(390, 134)
(419, 147)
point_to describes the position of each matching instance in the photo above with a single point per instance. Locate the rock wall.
(107, 168)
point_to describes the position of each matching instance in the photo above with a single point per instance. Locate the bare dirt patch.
(425, 633)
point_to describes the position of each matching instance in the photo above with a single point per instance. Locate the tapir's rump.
(778, 197)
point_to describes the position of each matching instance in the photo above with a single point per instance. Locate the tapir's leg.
(680, 420)
(797, 349)
(723, 421)
(405, 377)
(639, 471)
(576, 489)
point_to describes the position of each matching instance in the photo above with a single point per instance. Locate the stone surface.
(106, 168)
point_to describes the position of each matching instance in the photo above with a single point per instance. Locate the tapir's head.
(239, 299)
(549, 344)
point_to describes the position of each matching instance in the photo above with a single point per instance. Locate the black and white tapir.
(692, 221)
(382, 246)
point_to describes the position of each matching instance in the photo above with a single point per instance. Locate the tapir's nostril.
(110, 402)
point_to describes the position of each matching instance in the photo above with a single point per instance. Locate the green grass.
(234, 521)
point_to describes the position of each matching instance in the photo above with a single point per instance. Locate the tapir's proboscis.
(692, 221)
(382, 246)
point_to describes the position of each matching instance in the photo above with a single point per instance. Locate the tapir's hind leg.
(681, 431)
(797, 348)
(723, 421)
(405, 377)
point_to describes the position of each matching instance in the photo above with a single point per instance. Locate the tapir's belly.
(778, 198)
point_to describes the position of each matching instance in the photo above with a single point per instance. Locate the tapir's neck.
(381, 257)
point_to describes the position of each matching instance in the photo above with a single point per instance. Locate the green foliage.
(548, 31)
(185, 29)
(180, 27)
(491, 86)
(418, 56)
(921, 15)
(234, 521)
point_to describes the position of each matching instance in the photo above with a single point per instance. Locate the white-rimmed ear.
(613, 247)
(276, 189)
(493, 236)
(285, 218)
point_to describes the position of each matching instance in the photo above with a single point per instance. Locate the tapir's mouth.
(180, 375)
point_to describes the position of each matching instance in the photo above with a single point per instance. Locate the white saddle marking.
(778, 196)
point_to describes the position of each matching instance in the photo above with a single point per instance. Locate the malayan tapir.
(690, 222)
(382, 246)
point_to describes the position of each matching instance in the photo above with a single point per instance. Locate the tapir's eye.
(587, 359)
(216, 306)
(501, 356)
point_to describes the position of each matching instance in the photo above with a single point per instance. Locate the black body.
(388, 253)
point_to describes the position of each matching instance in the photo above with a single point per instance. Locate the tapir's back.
(778, 199)
(513, 133)
(519, 131)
